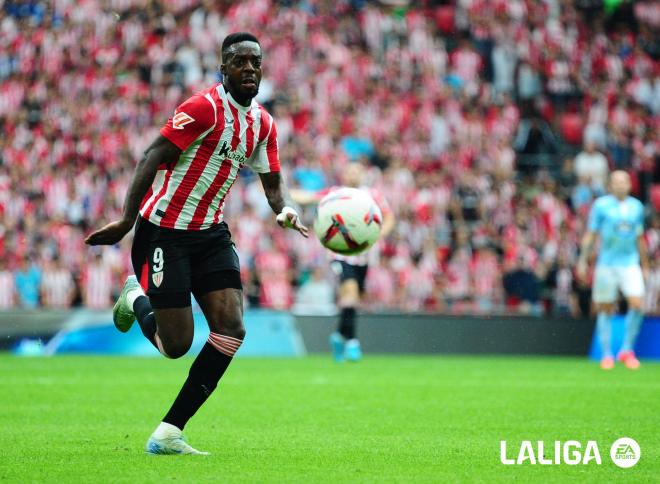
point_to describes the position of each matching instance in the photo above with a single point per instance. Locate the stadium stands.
(471, 114)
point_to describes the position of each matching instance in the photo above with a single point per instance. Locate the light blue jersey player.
(618, 221)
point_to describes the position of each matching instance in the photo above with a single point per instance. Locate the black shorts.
(170, 263)
(348, 271)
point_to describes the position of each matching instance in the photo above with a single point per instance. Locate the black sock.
(347, 323)
(203, 377)
(145, 318)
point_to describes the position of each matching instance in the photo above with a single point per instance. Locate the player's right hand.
(110, 234)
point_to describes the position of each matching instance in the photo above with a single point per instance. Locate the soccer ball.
(348, 221)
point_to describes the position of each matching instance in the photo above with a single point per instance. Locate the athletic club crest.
(157, 277)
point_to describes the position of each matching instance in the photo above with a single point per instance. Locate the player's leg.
(604, 295)
(223, 310)
(160, 261)
(132, 303)
(347, 300)
(216, 284)
(169, 329)
(353, 347)
(633, 289)
(605, 311)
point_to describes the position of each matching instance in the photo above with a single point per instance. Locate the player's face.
(242, 70)
(620, 184)
(353, 176)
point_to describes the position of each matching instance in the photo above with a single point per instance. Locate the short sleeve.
(595, 217)
(192, 118)
(266, 158)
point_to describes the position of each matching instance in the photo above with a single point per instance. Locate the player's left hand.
(290, 219)
(110, 234)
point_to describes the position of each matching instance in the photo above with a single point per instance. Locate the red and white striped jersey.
(217, 137)
(56, 288)
(7, 290)
(97, 286)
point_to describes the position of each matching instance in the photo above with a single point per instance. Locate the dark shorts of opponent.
(171, 263)
(347, 271)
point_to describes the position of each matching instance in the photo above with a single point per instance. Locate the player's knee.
(235, 330)
(176, 349)
(232, 325)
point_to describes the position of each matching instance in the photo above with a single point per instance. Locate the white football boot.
(169, 440)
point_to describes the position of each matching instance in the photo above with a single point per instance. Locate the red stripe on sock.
(224, 344)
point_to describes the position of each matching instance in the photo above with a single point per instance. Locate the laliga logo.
(625, 452)
(568, 452)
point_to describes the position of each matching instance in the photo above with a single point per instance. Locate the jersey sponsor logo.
(624, 227)
(230, 154)
(180, 119)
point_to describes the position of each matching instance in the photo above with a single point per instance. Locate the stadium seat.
(571, 127)
(655, 197)
(444, 18)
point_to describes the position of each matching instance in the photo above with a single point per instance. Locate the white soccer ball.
(348, 221)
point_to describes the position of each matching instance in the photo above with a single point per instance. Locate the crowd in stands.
(490, 126)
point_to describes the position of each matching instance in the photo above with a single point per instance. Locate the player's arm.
(304, 197)
(281, 202)
(194, 118)
(586, 246)
(641, 244)
(588, 240)
(388, 214)
(643, 255)
(266, 162)
(388, 224)
(161, 151)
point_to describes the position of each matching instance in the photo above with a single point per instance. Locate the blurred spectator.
(528, 82)
(535, 137)
(486, 279)
(652, 296)
(97, 283)
(560, 281)
(591, 166)
(522, 286)
(7, 287)
(316, 295)
(27, 280)
(57, 285)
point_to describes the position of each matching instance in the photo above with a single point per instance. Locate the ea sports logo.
(625, 452)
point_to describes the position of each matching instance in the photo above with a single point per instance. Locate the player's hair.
(235, 38)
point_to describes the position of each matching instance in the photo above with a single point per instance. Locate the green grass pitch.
(386, 419)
